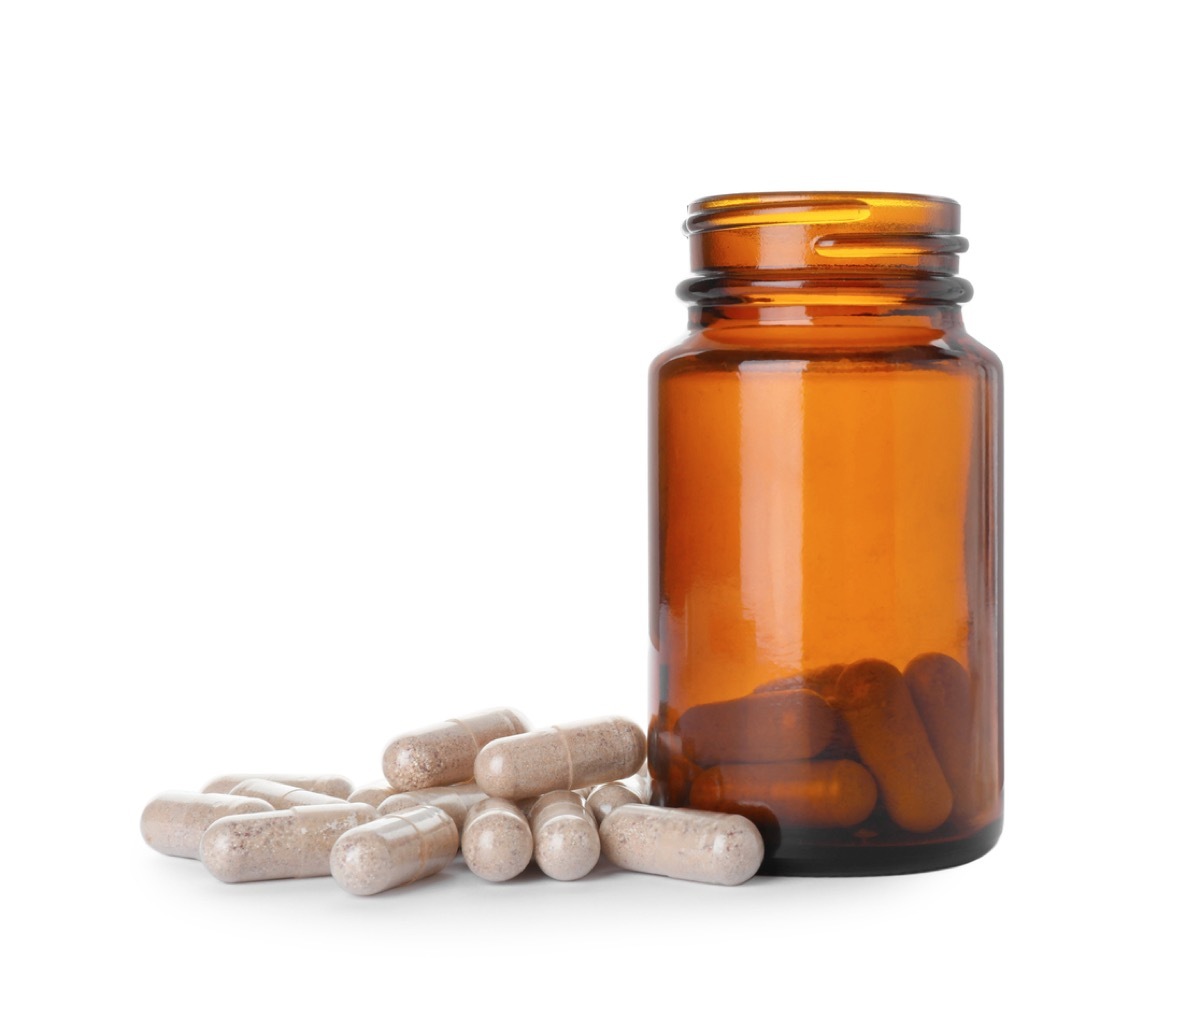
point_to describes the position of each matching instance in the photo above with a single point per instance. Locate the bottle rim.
(876, 210)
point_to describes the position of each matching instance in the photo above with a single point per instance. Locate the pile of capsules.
(484, 783)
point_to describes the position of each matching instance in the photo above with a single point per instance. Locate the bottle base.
(807, 860)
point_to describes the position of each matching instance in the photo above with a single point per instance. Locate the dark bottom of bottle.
(798, 858)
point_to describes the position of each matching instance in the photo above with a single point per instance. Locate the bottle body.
(826, 575)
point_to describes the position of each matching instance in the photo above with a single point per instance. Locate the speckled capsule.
(946, 697)
(809, 794)
(821, 679)
(890, 738)
(329, 785)
(562, 757)
(279, 843)
(394, 850)
(280, 795)
(770, 726)
(605, 798)
(443, 754)
(373, 792)
(671, 771)
(497, 843)
(566, 845)
(174, 822)
(686, 844)
(454, 800)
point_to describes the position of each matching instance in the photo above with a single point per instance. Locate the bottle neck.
(836, 309)
(820, 267)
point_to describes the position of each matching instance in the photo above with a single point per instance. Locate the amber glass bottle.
(825, 499)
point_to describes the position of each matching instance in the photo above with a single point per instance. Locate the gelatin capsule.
(809, 794)
(943, 693)
(394, 850)
(574, 754)
(497, 843)
(174, 822)
(700, 845)
(443, 754)
(891, 740)
(279, 843)
(821, 679)
(374, 792)
(454, 800)
(329, 785)
(281, 796)
(671, 772)
(566, 845)
(605, 798)
(771, 726)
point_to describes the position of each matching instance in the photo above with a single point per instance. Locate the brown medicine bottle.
(825, 499)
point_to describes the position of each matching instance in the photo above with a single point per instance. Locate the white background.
(322, 416)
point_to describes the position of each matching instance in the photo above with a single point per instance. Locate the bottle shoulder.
(977, 351)
(953, 350)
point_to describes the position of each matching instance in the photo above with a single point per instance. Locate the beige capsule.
(605, 798)
(821, 679)
(174, 822)
(809, 794)
(280, 795)
(373, 792)
(443, 754)
(329, 785)
(948, 700)
(771, 726)
(279, 843)
(891, 741)
(574, 754)
(566, 845)
(525, 804)
(455, 800)
(687, 844)
(394, 850)
(671, 771)
(497, 843)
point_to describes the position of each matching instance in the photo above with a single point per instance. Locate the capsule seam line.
(570, 762)
(474, 738)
